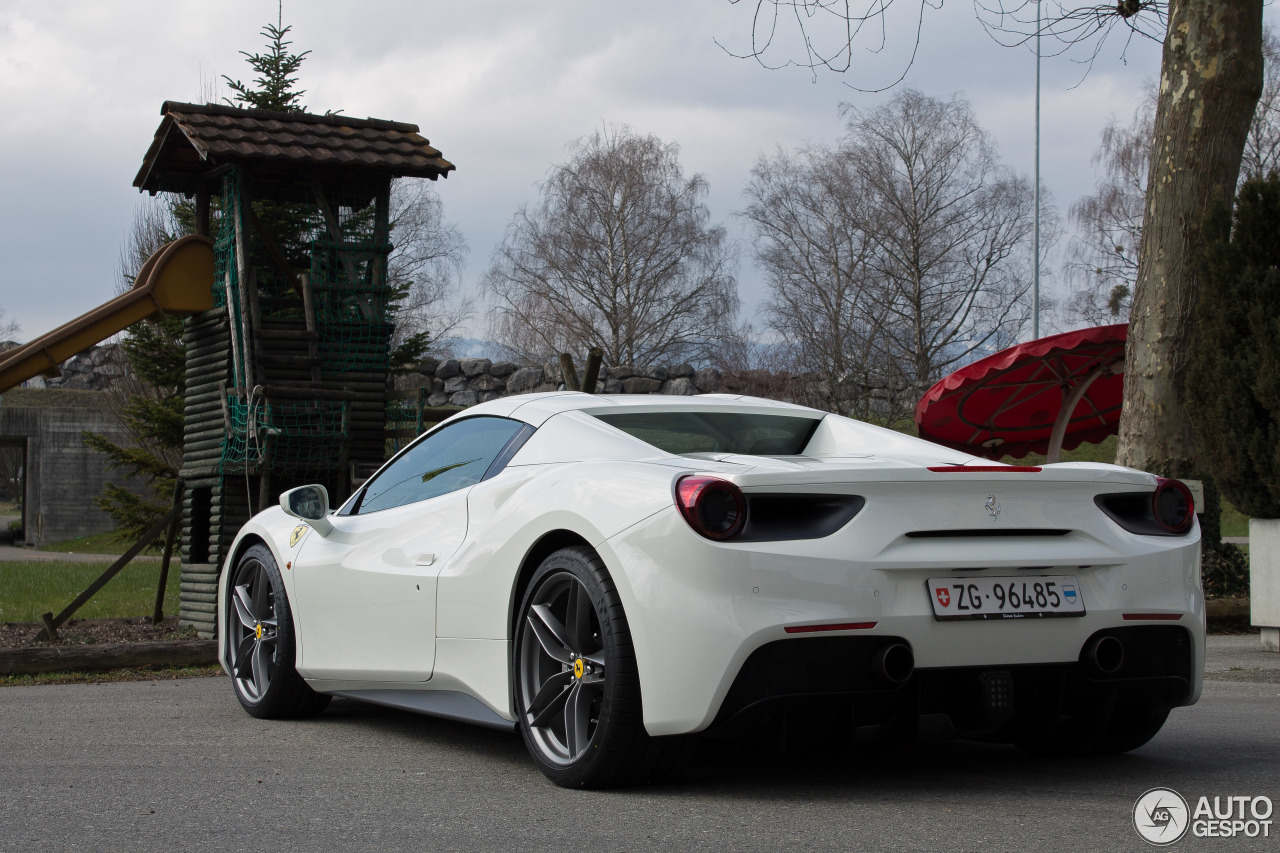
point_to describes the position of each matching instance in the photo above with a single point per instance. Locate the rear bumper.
(1023, 701)
(701, 612)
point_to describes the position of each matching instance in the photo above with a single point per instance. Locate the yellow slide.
(177, 279)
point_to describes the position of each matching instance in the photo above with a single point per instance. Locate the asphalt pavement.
(178, 765)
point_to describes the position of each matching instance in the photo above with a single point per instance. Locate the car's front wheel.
(577, 685)
(260, 642)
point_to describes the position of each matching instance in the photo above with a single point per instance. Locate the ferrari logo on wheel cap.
(578, 668)
(257, 631)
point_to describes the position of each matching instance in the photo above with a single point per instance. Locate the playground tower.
(286, 379)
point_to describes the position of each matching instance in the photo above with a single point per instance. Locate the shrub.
(1232, 381)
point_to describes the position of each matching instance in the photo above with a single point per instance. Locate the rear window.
(717, 432)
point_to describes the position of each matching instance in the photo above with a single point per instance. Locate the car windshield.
(717, 432)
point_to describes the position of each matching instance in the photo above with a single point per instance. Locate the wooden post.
(52, 623)
(335, 231)
(244, 202)
(569, 373)
(313, 327)
(345, 475)
(594, 356)
(264, 472)
(157, 615)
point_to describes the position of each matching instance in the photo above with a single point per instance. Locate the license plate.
(1038, 597)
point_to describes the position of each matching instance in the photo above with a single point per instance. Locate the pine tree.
(1232, 383)
(275, 80)
(152, 417)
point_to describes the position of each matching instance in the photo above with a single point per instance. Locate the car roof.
(535, 409)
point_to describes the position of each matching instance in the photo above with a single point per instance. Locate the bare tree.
(811, 213)
(751, 365)
(951, 229)
(1103, 258)
(896, 255)
(425, 265)
(619, 253)
(1262, 146)
(8, 329)
(1211, 78)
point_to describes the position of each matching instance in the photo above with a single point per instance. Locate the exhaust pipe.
(1106, 654)
(893, 663)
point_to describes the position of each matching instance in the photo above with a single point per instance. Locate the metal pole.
(1035, 280)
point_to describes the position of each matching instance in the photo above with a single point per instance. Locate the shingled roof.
(194, 139)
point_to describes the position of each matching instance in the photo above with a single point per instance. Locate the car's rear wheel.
(577, 685)
(260, 642)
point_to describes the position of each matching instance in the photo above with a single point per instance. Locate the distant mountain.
(475, 348)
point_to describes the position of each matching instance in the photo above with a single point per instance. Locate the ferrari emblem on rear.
(992, 507)
(944, 595)
(297, 534)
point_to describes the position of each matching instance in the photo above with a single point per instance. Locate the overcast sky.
(501, 87)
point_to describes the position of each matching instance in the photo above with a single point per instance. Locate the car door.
(366, 593)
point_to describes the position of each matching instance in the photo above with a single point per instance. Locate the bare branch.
(825, 34)
(898, 253)
(425, 265)
(619, 253)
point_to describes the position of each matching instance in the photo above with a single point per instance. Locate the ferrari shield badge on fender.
(297, 534)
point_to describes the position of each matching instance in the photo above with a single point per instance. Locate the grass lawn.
(1234, 522)
(31, 587)
(99, 543)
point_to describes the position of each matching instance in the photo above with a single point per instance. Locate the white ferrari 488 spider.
(607, 574)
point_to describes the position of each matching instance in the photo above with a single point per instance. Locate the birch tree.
(618, 253)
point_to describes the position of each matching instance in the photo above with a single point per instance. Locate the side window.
(450, 459)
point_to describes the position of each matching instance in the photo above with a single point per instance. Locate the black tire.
(579, 709)
(260, 642)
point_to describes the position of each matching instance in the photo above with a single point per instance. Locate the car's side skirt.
(448, 704)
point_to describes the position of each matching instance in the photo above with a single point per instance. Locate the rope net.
(328, 247)
(307, 436)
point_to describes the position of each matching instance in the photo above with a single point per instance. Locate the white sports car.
(605, 574)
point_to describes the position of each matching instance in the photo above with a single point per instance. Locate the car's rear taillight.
(1168, 511)
(713, 507)
(1172, 506)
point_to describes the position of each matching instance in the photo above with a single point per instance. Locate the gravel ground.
(15, 635)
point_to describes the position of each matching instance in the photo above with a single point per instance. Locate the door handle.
(424, 559)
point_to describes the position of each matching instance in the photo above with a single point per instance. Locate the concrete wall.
(62, 474)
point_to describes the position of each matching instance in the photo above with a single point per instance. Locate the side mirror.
(311, 504)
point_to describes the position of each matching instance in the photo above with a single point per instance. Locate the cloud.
(501, 86)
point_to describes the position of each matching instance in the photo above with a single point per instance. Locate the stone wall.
(467, 381)
(95, 369)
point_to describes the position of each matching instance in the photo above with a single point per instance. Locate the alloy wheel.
(562, 669)
(253, 630)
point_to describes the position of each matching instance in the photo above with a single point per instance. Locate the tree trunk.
(1210, 80)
